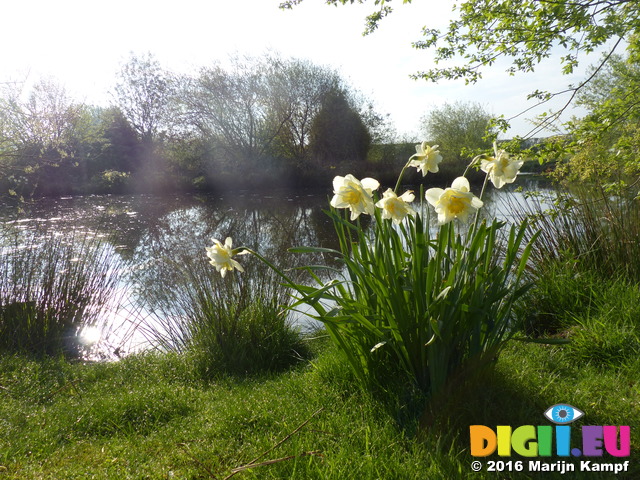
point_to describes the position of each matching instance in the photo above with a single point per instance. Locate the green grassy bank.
(152, 417)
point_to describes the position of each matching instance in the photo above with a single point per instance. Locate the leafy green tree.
(458, 127)
(606, 141)
(120, 149)
(41, 139)
(113, 146)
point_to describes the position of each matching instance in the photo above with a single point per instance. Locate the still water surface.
(140, 230)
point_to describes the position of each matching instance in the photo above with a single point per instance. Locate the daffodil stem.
(477, 217)
(269, 264)
(395, 190)
(471, 164)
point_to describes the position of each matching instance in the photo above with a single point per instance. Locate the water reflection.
(148, 234)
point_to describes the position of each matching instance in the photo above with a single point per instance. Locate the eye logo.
(562, 413)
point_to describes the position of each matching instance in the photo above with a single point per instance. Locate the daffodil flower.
(394, 207)
(221, 256)
(501, 168)
(354, 194)
(456, 201)
(426, 158)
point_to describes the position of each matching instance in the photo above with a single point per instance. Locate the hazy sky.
(82, 44)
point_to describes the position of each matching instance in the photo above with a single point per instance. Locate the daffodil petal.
(370, 183)
(408, 196)
(476, 203)
(433, 195)
(462, 184)
(337, 183)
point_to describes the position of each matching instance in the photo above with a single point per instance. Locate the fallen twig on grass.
(185, 448)
(287, 437)
(269, 462)
(70, 383)
(254, 463)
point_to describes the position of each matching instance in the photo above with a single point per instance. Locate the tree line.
(247, 123)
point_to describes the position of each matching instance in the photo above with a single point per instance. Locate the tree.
(143, 92)
(526, 32)
(234, 108)
(338, 133)
(41, 138)
(607, 140)
(115, 144)
(301, 87)
(457, 127)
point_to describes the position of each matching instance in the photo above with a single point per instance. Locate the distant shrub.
(111, 181)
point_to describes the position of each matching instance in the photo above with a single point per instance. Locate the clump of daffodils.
(455, 202)
(413, 306)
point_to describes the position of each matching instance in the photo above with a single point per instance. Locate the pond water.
(141, 231)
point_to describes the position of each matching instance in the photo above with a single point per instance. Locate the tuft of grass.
(561, 289)
(238, 325)
(51, 287)
(608, 335)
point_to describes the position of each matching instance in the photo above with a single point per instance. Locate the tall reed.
(52, 285)
(589, 227)
(587, 236)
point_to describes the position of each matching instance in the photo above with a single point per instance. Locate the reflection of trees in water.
(122, 219)
(142, 225)
(268, 225)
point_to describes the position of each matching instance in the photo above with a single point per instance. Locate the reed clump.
(52, 285)
(238, 325)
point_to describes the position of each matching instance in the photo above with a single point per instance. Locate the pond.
(149, 238)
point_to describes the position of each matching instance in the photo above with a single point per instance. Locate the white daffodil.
(426, 158)
(354, 194)
(454, 202)
(501, 168)
(395, 207)
(221, 256)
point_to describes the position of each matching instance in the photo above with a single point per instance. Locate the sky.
(83, 44)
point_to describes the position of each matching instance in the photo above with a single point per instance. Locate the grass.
(51, 287)
(236, 325)
(152, 416)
